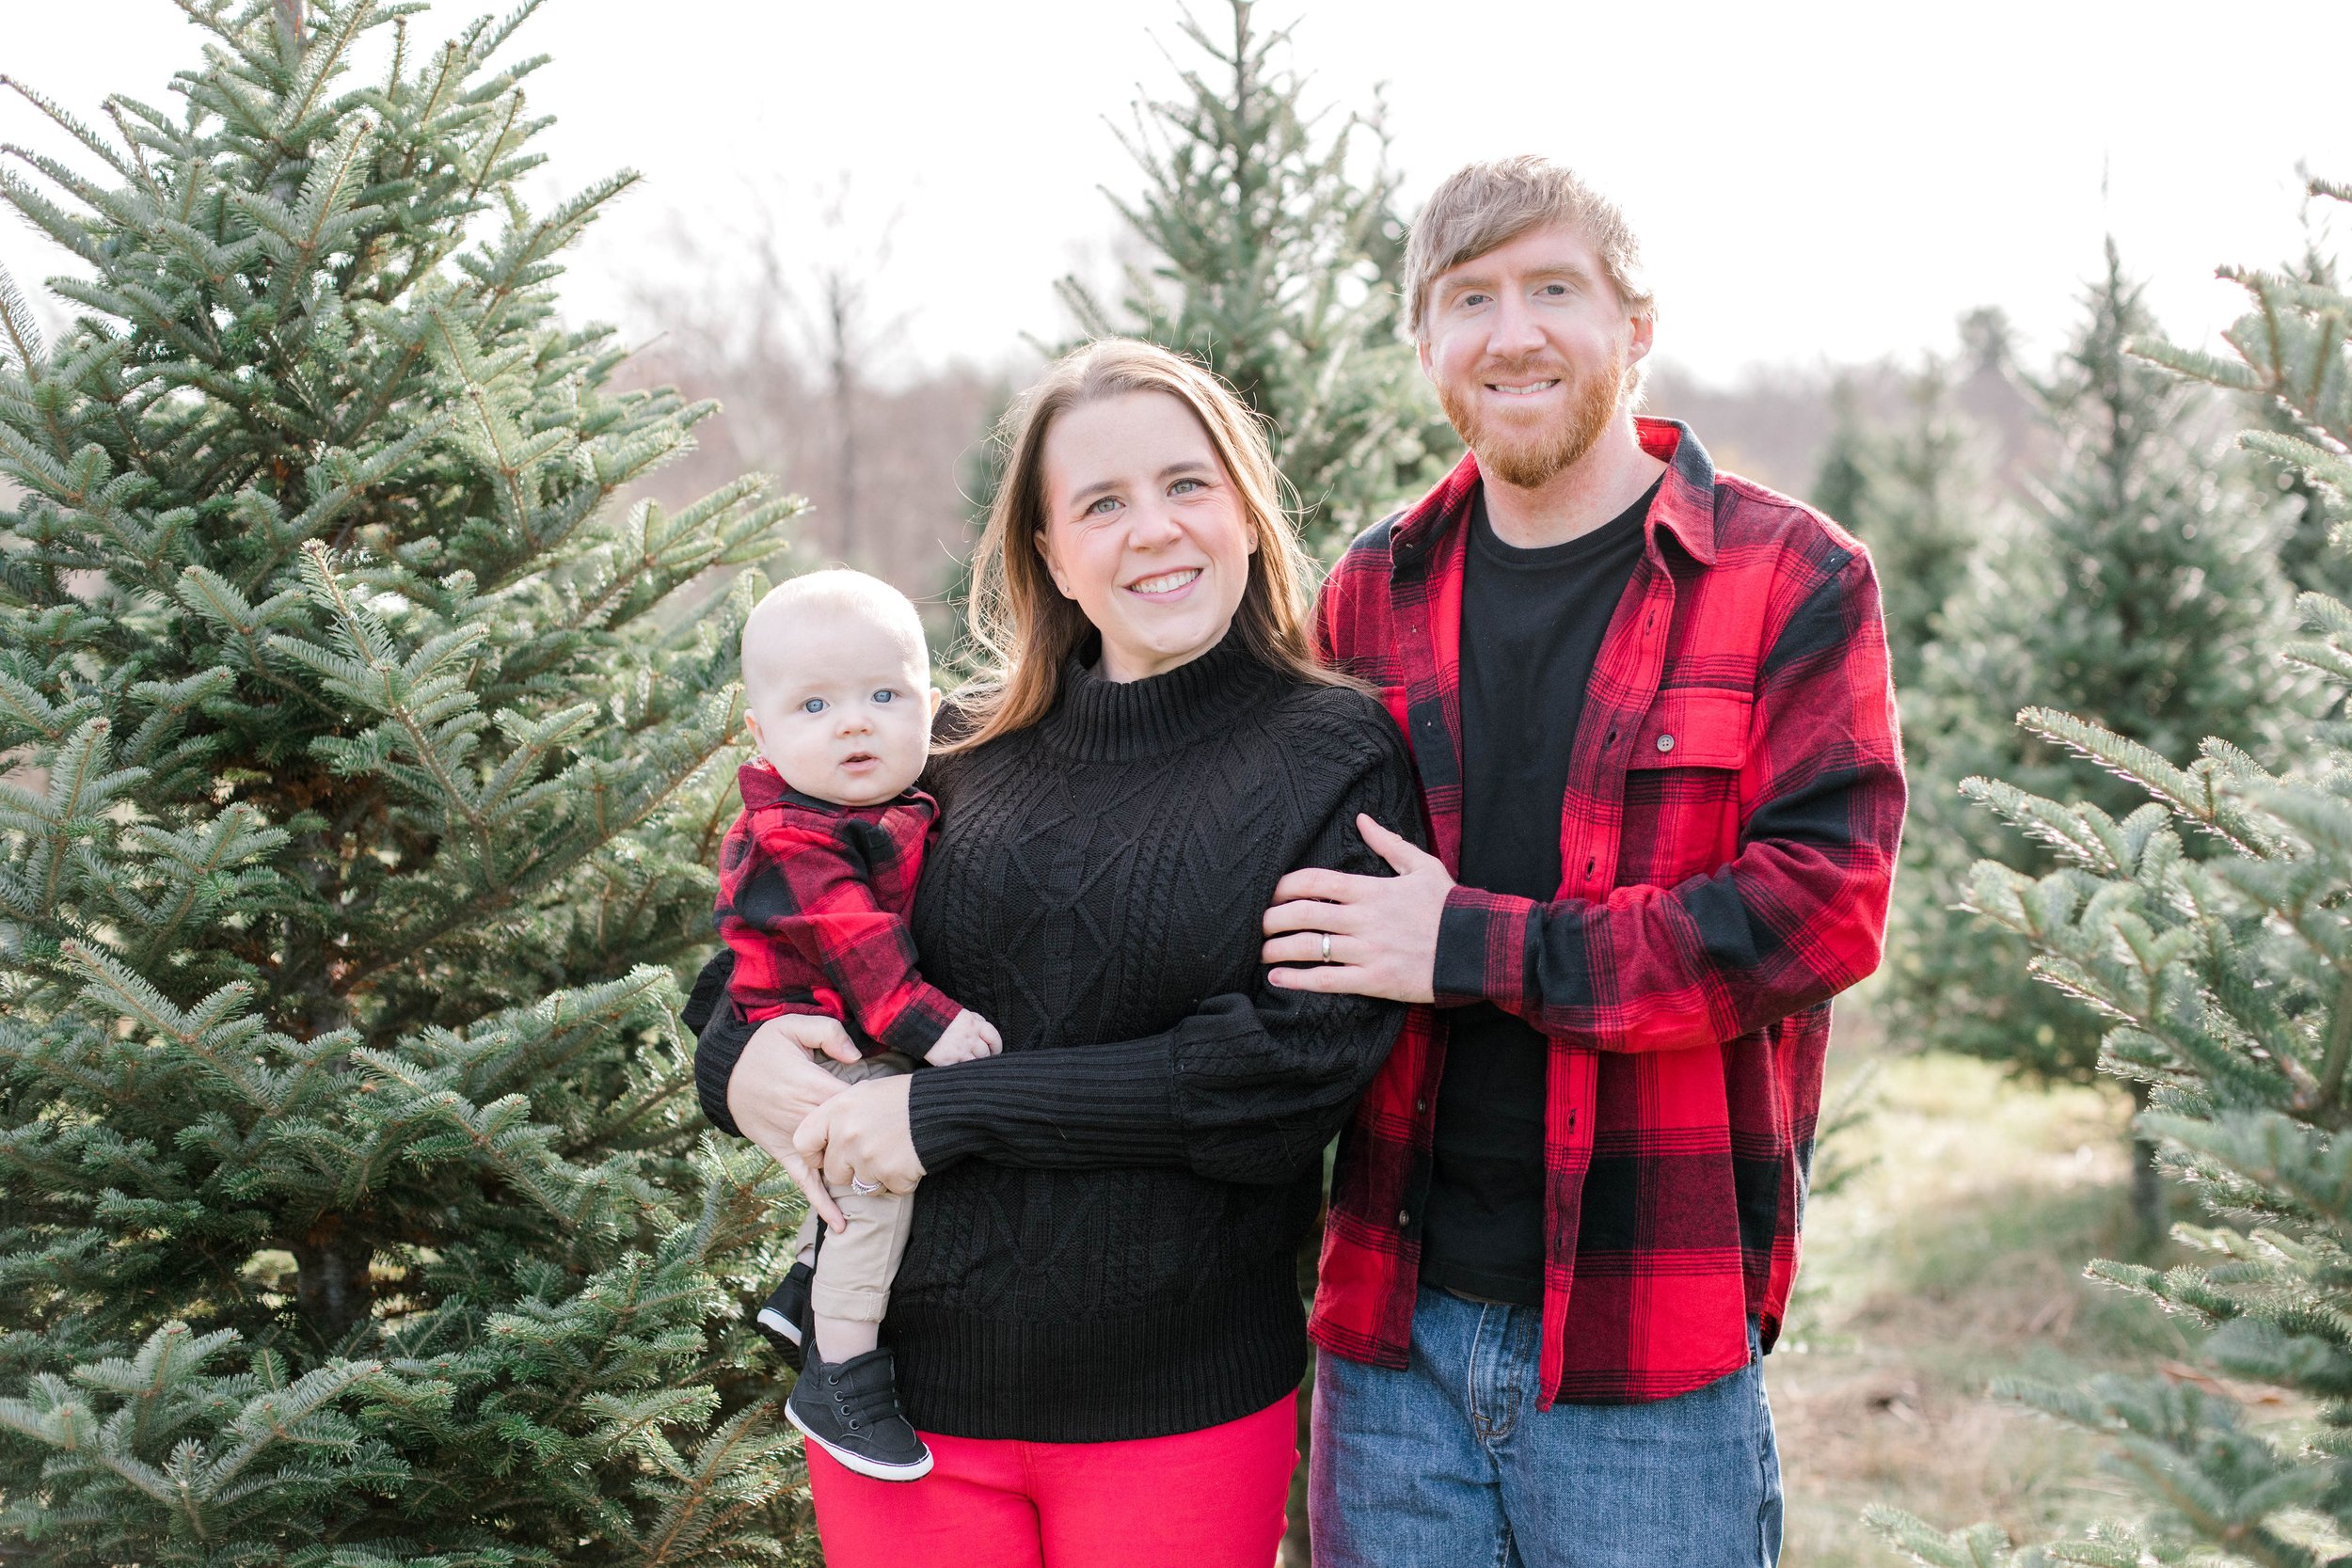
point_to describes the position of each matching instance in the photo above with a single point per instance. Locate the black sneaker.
(850, 1409)
(786, 1318)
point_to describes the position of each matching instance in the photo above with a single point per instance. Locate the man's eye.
(1555, 288)
(884, 695)
(815, 705)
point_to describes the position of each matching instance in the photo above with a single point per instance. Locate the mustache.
(1528, 370)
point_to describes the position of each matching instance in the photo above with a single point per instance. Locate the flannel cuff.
(1482, 949)
(918, 1024)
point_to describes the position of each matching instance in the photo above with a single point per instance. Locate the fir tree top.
(1275, 261)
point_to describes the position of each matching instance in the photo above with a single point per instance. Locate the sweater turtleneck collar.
(1104, 721)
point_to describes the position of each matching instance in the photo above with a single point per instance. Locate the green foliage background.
(364, 786)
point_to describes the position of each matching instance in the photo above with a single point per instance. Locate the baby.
(815, 882)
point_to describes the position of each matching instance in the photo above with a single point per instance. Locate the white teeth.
(1527, 389)
(1165, 583)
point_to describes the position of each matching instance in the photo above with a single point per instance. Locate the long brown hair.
(1022, 625)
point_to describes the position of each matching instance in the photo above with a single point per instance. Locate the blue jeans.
(1448, 1463)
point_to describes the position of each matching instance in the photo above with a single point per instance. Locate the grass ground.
(1953, 1258)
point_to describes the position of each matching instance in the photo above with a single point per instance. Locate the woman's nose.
(1151, 525)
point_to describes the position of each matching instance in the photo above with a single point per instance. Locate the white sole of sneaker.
(777, 1323)
(859, 1463)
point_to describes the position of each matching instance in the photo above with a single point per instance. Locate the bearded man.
(1649, 706)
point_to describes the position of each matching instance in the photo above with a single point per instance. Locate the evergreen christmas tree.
(1915, 493)
(1277, 264)
(2228, 985)
(366, 771)
(2138, 583)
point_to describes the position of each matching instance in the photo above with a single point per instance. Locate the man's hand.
(1382, 931)
(967, 1038)
(777, 1084)
(864, 1135)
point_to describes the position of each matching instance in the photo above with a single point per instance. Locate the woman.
(1097, 1325)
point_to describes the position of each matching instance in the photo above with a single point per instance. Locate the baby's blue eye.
(884, 695)
(815, 705)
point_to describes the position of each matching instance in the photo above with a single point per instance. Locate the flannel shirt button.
(1665, 743)
(1420, 1106)
(1403, 1217)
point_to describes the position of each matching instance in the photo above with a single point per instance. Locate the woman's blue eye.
(1099, 505)
(884, 695)
(1177, 488)
(815, 705)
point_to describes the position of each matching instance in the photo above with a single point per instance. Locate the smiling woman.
(1125, 467)
(1144, 530)
(1097, 1325)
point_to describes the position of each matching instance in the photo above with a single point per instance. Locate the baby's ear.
(937, 697)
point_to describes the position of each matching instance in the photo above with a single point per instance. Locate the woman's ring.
(1327, 947)
(863, 1188)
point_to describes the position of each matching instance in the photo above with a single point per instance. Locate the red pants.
(1198, 1500)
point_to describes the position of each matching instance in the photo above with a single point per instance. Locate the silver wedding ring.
(1327, 947)
(863, 1188)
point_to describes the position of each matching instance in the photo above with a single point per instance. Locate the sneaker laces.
(861, 1407)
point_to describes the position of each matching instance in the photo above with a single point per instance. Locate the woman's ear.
(1053, 567)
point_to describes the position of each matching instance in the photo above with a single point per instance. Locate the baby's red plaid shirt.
(812, 898)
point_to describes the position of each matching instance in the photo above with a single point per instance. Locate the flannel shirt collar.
(762, 786)
(1685, 506)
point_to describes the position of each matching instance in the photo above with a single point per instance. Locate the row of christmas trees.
(2147, 874)
(2200, 906)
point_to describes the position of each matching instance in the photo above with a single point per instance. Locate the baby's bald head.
(815, 601)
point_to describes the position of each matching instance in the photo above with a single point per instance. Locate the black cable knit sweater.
(1105, 1246)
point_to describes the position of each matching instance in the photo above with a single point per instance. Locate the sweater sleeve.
(719, 1043)
(1246, 1088)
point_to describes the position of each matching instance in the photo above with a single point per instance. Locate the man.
(1650, 709)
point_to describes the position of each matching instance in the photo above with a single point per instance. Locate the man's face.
(1528, 346)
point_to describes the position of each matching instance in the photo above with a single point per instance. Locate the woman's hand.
(776, 1086)
(864, 1133)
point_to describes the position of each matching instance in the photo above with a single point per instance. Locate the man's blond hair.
(1483, 206)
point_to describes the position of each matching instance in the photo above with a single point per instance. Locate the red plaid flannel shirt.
(812, 898)
(1734, 801)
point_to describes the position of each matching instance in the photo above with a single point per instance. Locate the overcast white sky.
(1812, 181)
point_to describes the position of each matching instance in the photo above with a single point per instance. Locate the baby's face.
(839, 705)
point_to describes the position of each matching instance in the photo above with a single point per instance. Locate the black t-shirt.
(1532, 626)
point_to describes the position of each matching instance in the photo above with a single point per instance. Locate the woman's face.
(1144, 530)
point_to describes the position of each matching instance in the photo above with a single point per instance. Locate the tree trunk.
(331, 1286)
(2148, 1196)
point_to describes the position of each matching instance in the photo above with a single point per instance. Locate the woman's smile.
(1165, 586)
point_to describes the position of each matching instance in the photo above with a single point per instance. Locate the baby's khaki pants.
(856, 1265)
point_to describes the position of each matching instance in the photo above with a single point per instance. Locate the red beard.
(1531, 461)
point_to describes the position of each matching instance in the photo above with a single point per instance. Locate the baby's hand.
(967, 1039)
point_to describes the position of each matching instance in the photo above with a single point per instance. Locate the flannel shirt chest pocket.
(1682, 786)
